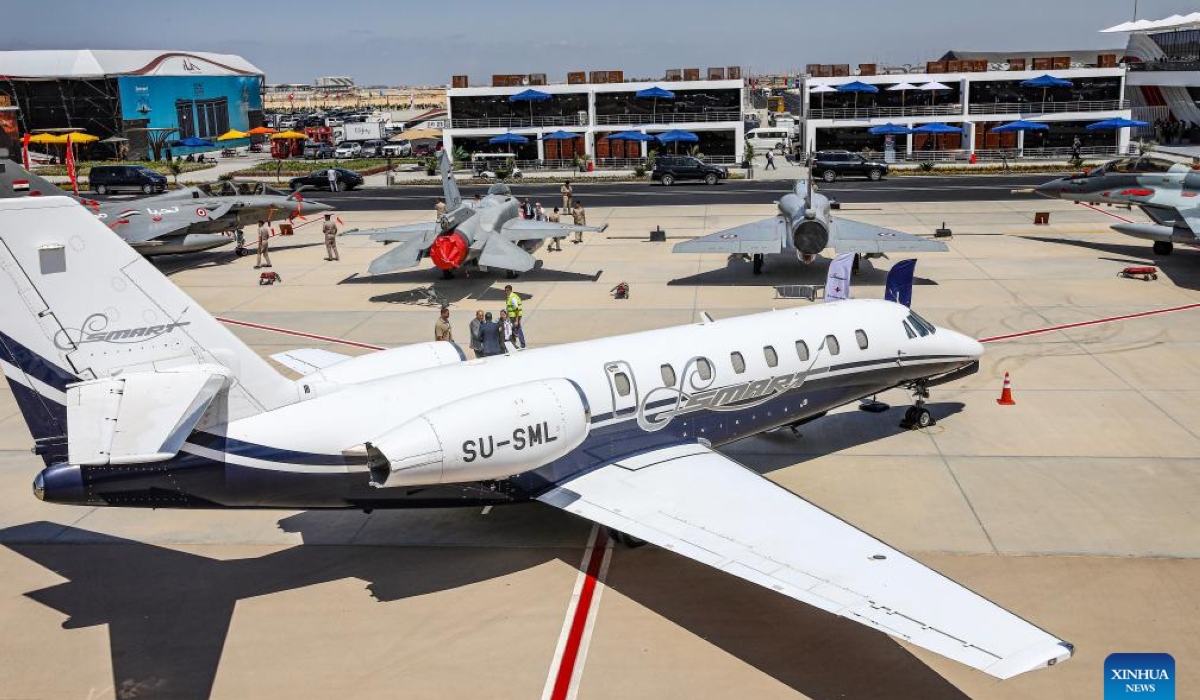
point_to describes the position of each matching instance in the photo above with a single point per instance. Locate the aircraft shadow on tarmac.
(780, 270)
(174, 264)
(168, 613)
(478, 287)
(1182, 268)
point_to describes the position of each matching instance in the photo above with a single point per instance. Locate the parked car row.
(374, 148)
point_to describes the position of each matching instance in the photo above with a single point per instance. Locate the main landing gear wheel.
(625, 539)
(1163, 247)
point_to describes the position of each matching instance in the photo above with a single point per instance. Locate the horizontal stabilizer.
(137, 417)
(498, 252)
(762, 237)
(394, 234)
(846, 236)
(529, 229)
(305, 361)
(406, 254)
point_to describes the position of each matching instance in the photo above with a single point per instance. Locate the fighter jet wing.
(403, 256)
(847, 236)
(529, 229)
(702, 505)
(501, 253)
(142, 224)
(764, 236)
(395, 234)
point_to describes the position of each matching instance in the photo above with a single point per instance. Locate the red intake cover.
(448, 251)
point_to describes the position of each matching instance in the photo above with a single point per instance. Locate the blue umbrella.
(1046, 81)
(675, 135)
(856, 87)
(1020, 125)
(508, 138)
(889, 129)
(559, 136)
(937, 128)
(529, 96)
(193, 142)
(1114, 124)
(655, 92)
(629, 136)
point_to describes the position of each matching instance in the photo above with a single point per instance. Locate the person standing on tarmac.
(565, 191)
(580, 217)
(512, 304)
(527, 209)
(441, 329)
(264, 237)
(489, 334)
(440, 208)
(330, 230)
(477, 334)
(555, 242)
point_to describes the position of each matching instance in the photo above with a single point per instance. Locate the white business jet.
(135, 396)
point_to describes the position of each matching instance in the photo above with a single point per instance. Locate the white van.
(769, 137)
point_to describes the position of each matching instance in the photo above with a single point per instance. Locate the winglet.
(449, 186)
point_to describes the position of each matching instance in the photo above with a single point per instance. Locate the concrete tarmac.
(1075, 508)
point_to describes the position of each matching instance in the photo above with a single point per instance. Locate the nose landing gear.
(917, 416)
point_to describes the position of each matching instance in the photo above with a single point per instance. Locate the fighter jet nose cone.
(1050, 189)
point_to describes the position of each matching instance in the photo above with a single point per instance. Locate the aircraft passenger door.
(623, 387)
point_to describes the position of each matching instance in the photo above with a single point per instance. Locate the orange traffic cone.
(1006, 398)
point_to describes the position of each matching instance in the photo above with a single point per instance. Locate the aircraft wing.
(529, 229)
(847, 236)
(305, 361)
(704, 506)
(504, 254)
(395, 234)
(764, 236)
(142, 224)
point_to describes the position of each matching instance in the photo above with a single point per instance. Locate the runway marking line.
(1081, 324)
(299, 334)
(1106, 213)
(566, 670)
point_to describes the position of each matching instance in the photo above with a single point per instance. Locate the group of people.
(1172, 131)
(489, 335)
(329, 229)
(535, 211)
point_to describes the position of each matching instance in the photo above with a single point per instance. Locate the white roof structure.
(1174, 22)
(87, 63)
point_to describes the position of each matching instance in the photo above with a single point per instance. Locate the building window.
(771, 356)
(831, 345)
(738, 362)
(802, 350)
(668, 375)
(861, 336)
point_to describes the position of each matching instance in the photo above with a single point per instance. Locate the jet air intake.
(529, 425)
(810, 236)
(449, 250)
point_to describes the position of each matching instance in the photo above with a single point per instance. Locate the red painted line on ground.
(566, 665)
(1081, 324)
(300, 334)
(1106, 213)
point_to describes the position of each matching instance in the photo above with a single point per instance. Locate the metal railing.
(1047, 107)
(875, 112)
(516, 122)
(1139, 66)
(962, 155)
(725, 115)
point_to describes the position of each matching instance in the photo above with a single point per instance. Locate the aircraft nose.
(1052, 189)
(314, 207)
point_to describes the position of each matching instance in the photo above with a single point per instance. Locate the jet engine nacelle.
(391, 362)
(529, 425)
(810, 236)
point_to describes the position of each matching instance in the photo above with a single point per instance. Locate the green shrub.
(639, 171)
(927, 166)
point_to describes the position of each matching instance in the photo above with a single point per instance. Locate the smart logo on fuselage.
(95, 330)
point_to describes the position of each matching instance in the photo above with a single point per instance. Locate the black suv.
(669, 168)
(111, 178)
(830, 165)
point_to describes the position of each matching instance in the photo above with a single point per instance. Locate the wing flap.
(305, 361)
(763, 237)
(846, 236)
(706, 507)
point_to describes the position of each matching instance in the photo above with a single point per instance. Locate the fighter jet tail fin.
(80, 304)
(16, 181)
(449, 186)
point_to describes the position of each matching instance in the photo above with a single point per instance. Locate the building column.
(1123, 140)
(541, 145)
(1021, 144)
(969, 136)
(739, 142)
(908, 142)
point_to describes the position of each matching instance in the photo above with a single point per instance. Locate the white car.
(347, 150)
(397, 150)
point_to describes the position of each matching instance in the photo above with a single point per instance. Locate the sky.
(403, 43)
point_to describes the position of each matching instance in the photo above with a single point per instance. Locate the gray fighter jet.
(183, 221)
(806, 225)
(1167, 191)
(486, 233)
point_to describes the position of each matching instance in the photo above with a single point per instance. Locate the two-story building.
(1163, 58)
(711, 109)
(975, 100)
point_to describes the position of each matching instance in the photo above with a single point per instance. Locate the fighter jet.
(487, 233)
(183, 221)
(805, 224)
(1167, 191)
(136, 397)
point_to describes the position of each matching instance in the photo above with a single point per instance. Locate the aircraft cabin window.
(861, 336)
(802, 350)
(621, 381)
(738, 362)
(668, 375)
(831, 344)
(771, 356)
(704, 368)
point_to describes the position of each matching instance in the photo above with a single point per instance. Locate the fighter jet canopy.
(500, 189)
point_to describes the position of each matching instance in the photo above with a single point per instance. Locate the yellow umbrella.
(44, 138)
(79, 137)
(288, 135)
(231, 135)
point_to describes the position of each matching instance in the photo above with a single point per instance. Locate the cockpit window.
(908, 329)
(922, 326)
(1153, 165)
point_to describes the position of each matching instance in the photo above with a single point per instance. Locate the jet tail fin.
(16, 181)
(449, 186)
(80, 304)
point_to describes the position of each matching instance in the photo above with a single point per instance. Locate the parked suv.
(373, 147)
(830, 165)
(315, 150)
(347, 149)
(138, 178)
(669, 168)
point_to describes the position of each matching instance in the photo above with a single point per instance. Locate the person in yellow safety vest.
(512, 303)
